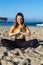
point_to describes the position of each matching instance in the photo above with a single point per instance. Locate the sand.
(32, 56)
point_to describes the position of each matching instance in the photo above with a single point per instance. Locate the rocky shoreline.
(29, 56)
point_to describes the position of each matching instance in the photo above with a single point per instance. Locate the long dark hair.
(15, 22)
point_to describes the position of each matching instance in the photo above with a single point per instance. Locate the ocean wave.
(39, 24)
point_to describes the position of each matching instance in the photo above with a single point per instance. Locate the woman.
(19, 30)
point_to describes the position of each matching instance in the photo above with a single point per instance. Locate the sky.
(31, 9)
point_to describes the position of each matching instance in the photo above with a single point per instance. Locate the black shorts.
(19, 43)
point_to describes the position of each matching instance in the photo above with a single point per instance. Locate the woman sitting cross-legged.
(19, 30)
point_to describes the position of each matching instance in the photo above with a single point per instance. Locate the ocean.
(6, 23)
(11, 23)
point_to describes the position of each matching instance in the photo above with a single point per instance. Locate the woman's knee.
(33, 42)
(36, 40)
(4, 41)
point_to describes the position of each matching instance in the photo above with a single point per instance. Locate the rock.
(17, 54)
(15, 63)
(0, 63)
(5, 54)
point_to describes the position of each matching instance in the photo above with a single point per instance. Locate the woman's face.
(19, 19)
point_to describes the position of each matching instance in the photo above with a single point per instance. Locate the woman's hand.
(21, 32)
(11, 34)
(20, 37)
(25, 33)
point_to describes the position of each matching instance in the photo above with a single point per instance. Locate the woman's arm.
(10, 33)
(28, 33)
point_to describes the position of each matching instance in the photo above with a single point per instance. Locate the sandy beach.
(18, 57)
